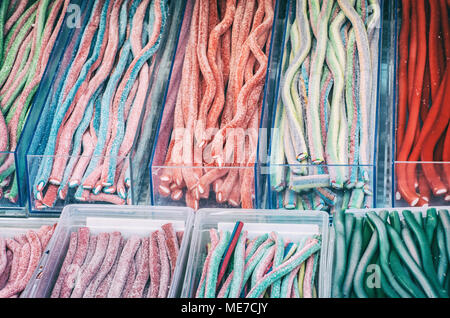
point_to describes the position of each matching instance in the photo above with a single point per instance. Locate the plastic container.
(280, 195)
(159, 67)
(11, 227)
(288, 224)
(128, 220)
(420, 166)
(361, 213)
(19, 155)
(165, 126)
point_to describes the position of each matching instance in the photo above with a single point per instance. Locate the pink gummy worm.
(130, 279)
(154, 266)
(165, 277)
(74, 269)
(105, 284)
(3, 258)
(143, 271)
(214, 241)
(172, 245)
(3, 133)
(123, 267)
(101, 265)
(85, 158)
(67, 261)
(6, 273)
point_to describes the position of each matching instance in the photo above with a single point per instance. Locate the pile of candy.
(218, 102)
(108, 265)
(28, 31)
(265, 266)
(423, 113)
(392, 255)
(322, 144)
(19, 257)
(94, 114)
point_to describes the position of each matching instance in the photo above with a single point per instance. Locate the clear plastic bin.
(165, 129)
(433, 169)
(18, 169)
(137, 188)
(361, 213)
(283, 193)
(289, 224)
(140, 220)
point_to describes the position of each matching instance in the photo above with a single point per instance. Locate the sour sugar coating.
(130, 278)
(103, 288)
(172, 245)
(123, 267)
(73, 269)
(65, 266)
(107, 263)
(143, 274)
(3, 258)
(6, 273)
(165, 277)
(154, 266)
(95, 263)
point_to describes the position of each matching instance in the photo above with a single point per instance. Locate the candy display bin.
(128, 220)
(13, 181)
(426, 183)
(371, 283)
(304, 185)
(257, 182)
(290, 225)
(133, 167)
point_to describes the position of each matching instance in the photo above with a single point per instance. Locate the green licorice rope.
(431, 224)
(384, 254)
(443, 259)
(403, 277)
(410, 244)
(425, 251)
(349, 223)
(445, 221)
(3, 9)
(340, 254)
(402, 251)
(369, 253)
(214, 263)
(353, 257)
(11, 56)
(394, 219)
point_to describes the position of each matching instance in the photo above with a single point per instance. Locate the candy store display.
(208, 138)
(322, 145)
(422, 140)
(82, 146)
(28, 32)
(115, 253)
(22, 243)
(385, 253)
(257, 254)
